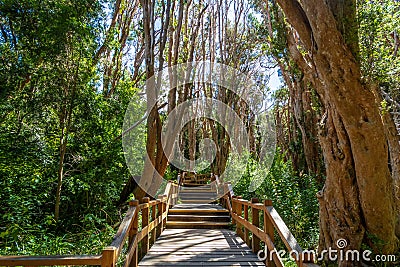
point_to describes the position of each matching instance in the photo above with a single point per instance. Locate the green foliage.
(379, 34)
(48, 48)
(95, 169)
(384, 107)
(293, 196)
(170, 174)
(38, 239)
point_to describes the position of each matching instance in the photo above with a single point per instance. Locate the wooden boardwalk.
(200, 247)
(197, 233)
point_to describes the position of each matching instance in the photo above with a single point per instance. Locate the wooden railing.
(247, 215)
(142, 224)
(145, 221)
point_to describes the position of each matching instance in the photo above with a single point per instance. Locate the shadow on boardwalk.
(200, 247)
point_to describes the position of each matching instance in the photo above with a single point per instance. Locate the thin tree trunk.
(62, 145)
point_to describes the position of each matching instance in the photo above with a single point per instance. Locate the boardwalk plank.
(200, 247)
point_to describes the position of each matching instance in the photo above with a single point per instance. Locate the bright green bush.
(293, 196)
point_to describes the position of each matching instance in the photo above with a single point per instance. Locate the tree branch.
(298, 19)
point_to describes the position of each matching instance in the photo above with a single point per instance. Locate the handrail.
(241, 210)
(153, 220)
(50, 260)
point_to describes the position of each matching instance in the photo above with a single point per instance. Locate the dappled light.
(199, 132)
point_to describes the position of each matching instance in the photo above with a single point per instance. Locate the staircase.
(198, 216)
(197, 195)
(196, 210)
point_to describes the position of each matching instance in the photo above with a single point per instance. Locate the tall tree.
(322, 39)
(49, 52)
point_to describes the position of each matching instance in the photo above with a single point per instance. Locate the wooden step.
(196, 225)
(198, 195)
(208, 198)
(197, 201)
(204, 209)
(197, 190)
(189, 184)
(189, 197)
(201, 187)
(201, 217)
(198, 216)
(208, 206)
(204, 212)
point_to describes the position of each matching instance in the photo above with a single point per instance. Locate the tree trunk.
(65, 116)
(63, 146)
(357, 201)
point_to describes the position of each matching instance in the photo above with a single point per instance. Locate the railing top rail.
(258, 206)
(50, 260)
(121, 235)
(149, 204)
(287, 237)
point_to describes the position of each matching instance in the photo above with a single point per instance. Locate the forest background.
(69, 69)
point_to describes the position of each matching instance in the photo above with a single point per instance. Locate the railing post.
(153, 218)
(234, 210)
(239, 230)
(255, 219)
(132, 233)
(175, 192)
(145, 222)
(269, 230)
(159, 216)
(170, 194)
(246, 231)
(109, 257)
(164, 209)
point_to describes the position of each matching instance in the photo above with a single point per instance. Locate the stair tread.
(197, 207)
(193, 184)
(196, 202)
(198, 222)
(195, 215)
(203, 212)
(197, 194)
(193, 198)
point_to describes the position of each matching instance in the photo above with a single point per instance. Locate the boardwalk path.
(195, 236)
(200, 247)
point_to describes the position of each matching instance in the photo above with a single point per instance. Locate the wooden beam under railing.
(50, 260)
